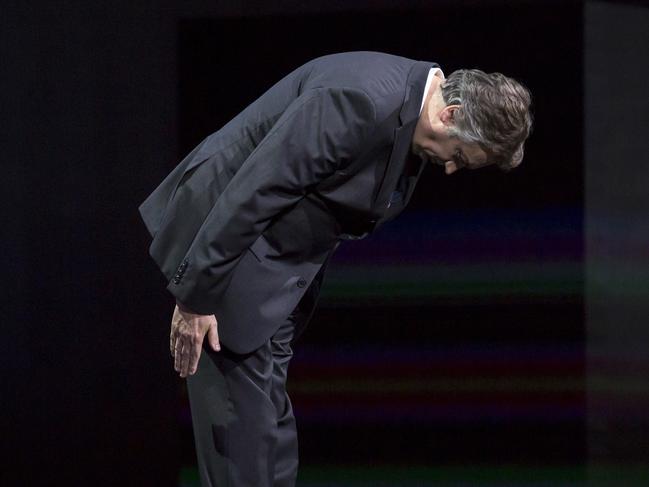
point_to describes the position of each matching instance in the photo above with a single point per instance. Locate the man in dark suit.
(244, 226)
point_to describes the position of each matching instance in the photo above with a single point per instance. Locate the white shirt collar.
(431, 73)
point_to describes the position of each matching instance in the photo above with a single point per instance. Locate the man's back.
(381, 77)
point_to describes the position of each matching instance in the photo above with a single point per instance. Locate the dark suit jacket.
(244, 223)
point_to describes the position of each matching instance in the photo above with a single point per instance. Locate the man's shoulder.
(362, 58)
(367, 70)
(381, 76)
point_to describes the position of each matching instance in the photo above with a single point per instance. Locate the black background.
(101, 100)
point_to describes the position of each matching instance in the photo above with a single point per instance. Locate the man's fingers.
(177, 352)
(196, 355)
(185, 356)
(213, 338)
(173, 334)
(180, 351)
(186, 340)
(174, 337)
(172, 342)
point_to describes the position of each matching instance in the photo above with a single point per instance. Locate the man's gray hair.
(494, 113)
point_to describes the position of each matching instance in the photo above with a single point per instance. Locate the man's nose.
(450, 167)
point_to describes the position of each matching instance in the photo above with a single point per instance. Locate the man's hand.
(188, 330)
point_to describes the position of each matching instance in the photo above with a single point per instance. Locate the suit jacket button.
(301, 282)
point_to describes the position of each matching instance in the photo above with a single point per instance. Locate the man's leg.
(286, 456)
(243, 422)
(287, 445)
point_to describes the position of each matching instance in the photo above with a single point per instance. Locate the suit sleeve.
(319, 131)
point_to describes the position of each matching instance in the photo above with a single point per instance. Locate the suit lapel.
(412, 180)
(408, 117)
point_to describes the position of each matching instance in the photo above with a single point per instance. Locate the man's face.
(432, 142)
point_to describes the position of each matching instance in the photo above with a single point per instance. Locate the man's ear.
(448, 114)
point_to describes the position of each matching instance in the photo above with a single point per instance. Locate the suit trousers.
(244, 428)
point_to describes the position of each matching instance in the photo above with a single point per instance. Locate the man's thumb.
(213, 338)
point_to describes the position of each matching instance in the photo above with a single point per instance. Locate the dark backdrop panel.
(617, 231)
(87, 100)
